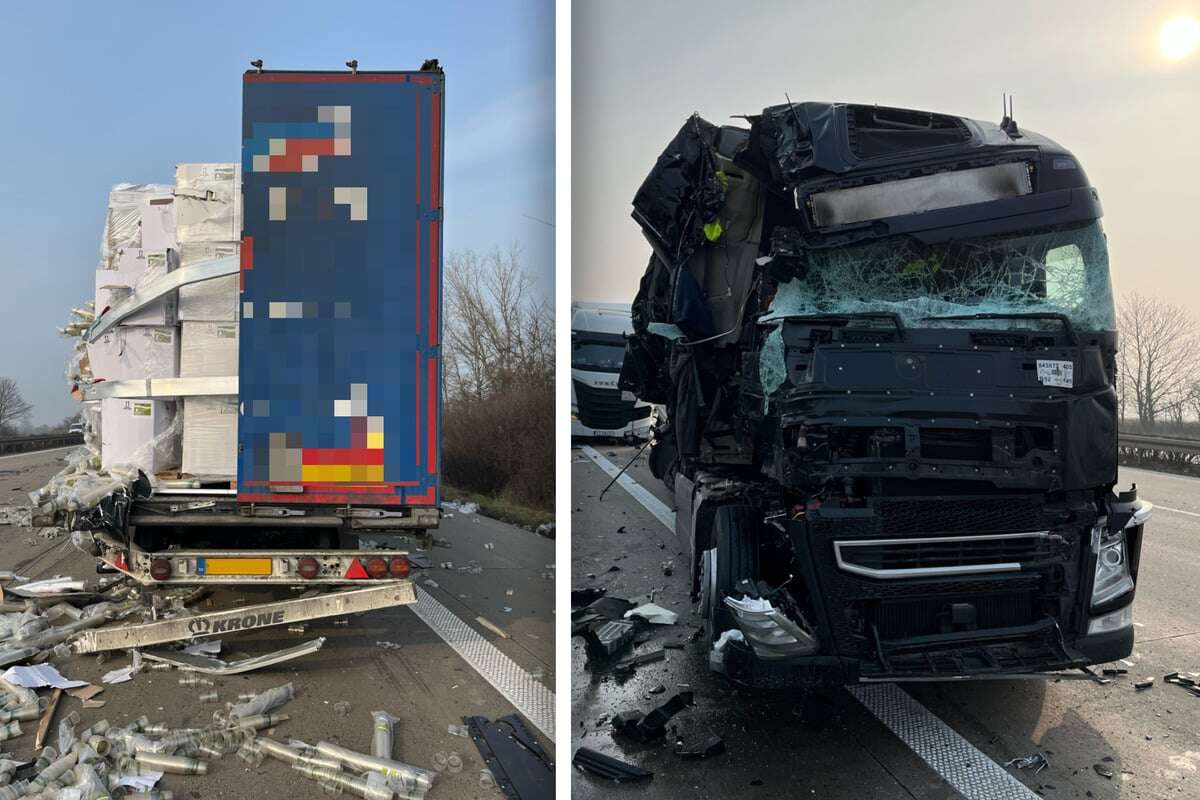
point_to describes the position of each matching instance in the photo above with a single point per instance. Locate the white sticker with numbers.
(1056, 373)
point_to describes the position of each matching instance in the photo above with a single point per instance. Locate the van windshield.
(1060, 271)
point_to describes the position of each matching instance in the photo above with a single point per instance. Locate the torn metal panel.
(607, 767)
(285, 612)
(195, 662)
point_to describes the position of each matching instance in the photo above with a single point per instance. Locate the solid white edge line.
(1158, 507)
(959, 763)
(530, 697)
(638, 492)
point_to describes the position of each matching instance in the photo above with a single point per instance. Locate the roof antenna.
(795, 116)
(1005, 119)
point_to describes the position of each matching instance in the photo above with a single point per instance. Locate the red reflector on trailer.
(120, 563)
(356, 570)
(308, 567)
(377, 567)
(398, 567)
(160, 569)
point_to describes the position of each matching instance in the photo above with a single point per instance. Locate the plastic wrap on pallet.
(129, 352)
(209, 202)
(210, 436)
(127, 202)
(141, 434)
(214, 300)
(208, 349)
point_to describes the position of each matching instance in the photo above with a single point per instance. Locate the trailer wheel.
(733, 559)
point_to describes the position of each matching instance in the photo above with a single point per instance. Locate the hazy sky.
(100, 93)
(1086, 74)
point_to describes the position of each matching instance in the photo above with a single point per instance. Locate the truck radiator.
(602, 409)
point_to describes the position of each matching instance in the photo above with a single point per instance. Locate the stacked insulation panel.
(208, 200)
(138, 247)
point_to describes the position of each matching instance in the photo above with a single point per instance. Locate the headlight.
(1117, 620)
(1112, 568)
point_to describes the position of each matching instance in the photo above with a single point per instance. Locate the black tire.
(736, 541)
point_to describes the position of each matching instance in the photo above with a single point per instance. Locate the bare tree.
(1158, 358)
(497, 334)
(14, 410)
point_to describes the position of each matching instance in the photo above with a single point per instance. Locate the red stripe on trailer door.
(431, 418)
(417, 411)
(434, 250)
(435, 150)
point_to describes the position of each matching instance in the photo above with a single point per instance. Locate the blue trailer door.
(340, 375)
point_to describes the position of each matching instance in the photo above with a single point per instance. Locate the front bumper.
(1028, 621)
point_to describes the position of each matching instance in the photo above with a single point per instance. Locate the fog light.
(308, 568)
(398, 567)
(1115, 621)
(377, 567)
(160, 569)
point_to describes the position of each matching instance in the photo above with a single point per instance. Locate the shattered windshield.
(1063, 271)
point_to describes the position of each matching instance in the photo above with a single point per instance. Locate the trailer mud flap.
(284, 612)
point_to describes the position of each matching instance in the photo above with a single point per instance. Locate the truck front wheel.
(734, 558)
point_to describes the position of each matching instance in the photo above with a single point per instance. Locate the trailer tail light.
(160, 569)
(377, 567)
(308, 567)
(398, 567)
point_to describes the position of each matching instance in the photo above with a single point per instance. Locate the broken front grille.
(941, 555)
(960, 515)
(602, 409)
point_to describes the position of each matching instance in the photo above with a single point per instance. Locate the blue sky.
(97, 94)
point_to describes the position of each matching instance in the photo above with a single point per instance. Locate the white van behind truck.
(599, 409)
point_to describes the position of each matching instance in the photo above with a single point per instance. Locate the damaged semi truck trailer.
(338, 352)
(886, 343)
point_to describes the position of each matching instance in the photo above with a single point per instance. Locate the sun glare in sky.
(1179, 37)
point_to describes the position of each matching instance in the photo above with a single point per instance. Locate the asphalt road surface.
(1148, 740)
(415, 675)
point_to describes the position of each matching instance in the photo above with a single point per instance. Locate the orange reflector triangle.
(356, 570)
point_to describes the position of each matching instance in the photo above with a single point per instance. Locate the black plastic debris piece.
(419, 560)
(658, 689)
(614, 568)
(1178, 679)
(609, 638)
(586, 595)
(607, 767)
(673, 645)
(712, 746)
(654, 724)
(638, 659)
(621, 529)
(1103, 771)
(613, 608)
(625, 722)
(1112, 672)
(1144, 684)
(522, 768)
(1037, 762)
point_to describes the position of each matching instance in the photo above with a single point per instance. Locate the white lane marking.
(957, 761)
(651, 503)
(534, 700)
(1160, 507)
(40, 452)
(1150, 473)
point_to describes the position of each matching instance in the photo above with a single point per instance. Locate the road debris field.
(447, 696)
(1096, 736)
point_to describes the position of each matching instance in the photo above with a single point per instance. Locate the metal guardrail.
(27, 444)
(1170, 453)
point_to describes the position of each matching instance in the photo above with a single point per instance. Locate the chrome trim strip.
(928, 572)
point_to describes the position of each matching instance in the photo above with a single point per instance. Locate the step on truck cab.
(338, 395)
(886, 343)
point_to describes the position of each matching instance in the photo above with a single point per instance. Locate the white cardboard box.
(139, 433)
(129, 352)
(127, 204)
(158, 224)
(210, 436)
(208, 349)
(114, 285)
(214, 300)
(208, 201)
